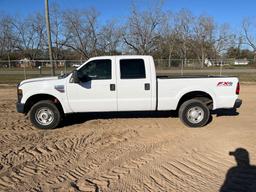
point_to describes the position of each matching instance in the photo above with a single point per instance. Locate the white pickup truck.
(124, 83)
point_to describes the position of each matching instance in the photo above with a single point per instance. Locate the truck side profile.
(124, 83)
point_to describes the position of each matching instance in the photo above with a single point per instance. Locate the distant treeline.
(78, 34)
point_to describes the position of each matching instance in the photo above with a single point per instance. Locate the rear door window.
(132, 69)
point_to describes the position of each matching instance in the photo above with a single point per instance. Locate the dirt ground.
(128, 153)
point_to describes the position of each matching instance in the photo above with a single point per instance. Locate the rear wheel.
(194, 113)
(45, 115)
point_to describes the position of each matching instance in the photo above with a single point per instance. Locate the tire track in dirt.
(36, 160)
(93, 160)
(132, 158)
(10, 139)
(71, 174)
(186, 174)
(10, 119)
(65, 152)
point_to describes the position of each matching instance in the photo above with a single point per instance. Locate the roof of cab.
(120, 56)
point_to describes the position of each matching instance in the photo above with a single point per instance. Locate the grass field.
(15, 75)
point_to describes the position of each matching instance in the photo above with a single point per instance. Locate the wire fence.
(13, 71)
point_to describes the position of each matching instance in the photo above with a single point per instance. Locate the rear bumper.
(238, 103)
(20, 107)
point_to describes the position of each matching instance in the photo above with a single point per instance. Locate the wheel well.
(40, 97)
(200, 95)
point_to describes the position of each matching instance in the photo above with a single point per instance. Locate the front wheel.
(45, 115)
(194, 113)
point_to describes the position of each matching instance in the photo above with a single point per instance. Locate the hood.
(38, 80)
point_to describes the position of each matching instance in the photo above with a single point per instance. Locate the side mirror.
(75, 77)
(78, 77)
(86, 78)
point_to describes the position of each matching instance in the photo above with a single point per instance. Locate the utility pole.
(49, 35)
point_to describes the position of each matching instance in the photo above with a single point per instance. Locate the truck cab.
(113, 84)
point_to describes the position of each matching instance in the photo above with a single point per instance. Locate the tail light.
(238, 88)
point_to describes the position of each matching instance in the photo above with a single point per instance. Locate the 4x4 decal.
(225, 83)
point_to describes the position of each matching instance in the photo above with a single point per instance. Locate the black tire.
(194, 113)
(45, 115)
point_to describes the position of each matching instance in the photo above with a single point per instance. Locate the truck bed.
(190, 76)
(221, 89)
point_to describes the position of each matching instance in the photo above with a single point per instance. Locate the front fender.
(61, 96)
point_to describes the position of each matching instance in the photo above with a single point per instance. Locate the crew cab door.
(97, 92)
(134, 89)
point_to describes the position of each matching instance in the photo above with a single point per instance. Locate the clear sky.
(230, 11)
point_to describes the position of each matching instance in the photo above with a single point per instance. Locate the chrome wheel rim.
(195, 115)
(44, 116)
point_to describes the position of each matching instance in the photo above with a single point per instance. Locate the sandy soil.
(127, 153)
